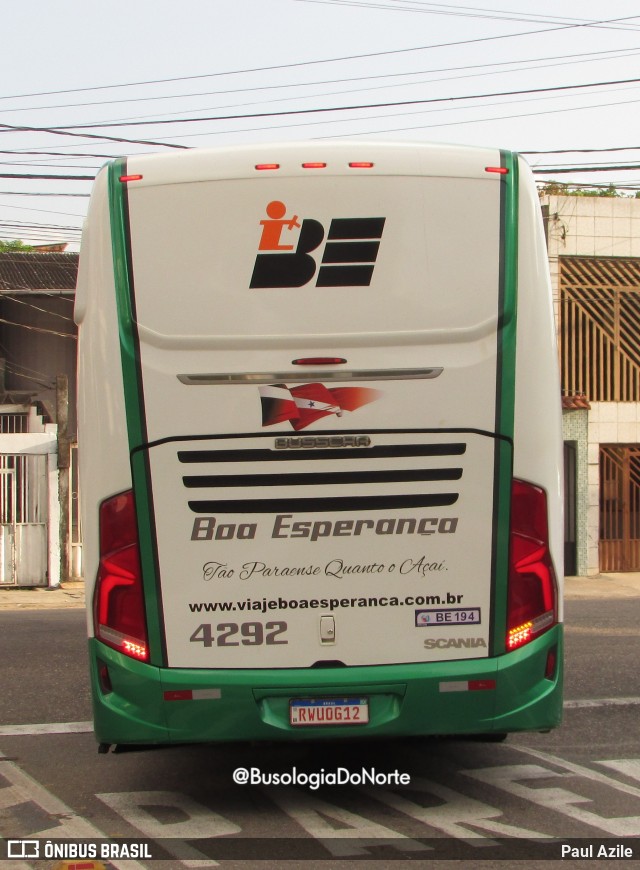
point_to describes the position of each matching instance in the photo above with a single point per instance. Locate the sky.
(159, 75)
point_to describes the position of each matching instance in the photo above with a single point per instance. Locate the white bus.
(320, 445)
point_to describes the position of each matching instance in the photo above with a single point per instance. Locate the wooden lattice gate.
(600, 328)
(619, 508)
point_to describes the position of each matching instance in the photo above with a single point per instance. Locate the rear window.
(315, 255)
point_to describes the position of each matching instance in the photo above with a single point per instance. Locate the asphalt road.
(581, 781)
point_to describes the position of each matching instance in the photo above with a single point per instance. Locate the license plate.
(328, 711)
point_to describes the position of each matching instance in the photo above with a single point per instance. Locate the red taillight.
(119, 618)
(314, 165)
(532, 598)
(125, 178)
(262, 166)
(500, 170)
(361, 164)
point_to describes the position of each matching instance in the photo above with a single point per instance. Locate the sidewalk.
(67, 595)
(71, 593)
(603, 586)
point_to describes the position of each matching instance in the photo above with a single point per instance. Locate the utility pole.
(64, 462)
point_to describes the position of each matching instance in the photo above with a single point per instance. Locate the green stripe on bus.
(134, 403)
(505, 393)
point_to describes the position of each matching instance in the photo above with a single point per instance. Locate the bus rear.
(320, 441)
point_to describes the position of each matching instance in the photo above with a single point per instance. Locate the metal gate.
(23, 519)
(620, 508)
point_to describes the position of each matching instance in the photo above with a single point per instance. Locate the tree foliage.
(15, 245)
(558, 188)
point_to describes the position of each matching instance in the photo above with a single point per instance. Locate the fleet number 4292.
(236, 634)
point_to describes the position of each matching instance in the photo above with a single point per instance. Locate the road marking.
(70, 825)
(188, 820)
(601, 702)
(455, 814)
(627, 766)
(518, 780)
(342, 832)
(580, 770)
(46, 728)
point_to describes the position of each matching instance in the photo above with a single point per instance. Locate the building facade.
(39, 530)
(594, 257)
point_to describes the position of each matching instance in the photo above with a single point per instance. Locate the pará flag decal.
(304, 404)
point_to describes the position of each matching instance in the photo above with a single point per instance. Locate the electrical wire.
(328, 109)
(48, 176)
(477, 120)
(38, 329)
(583, 57)
(12, 128)
(7, 354)
(37, 307)
(44, 384)
(168, 117)
(585, 150)
(498, 15)
(298, 64)
(563, 169)
(40, 210)
(39, 193)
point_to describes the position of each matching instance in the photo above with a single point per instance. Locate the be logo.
(348, 257)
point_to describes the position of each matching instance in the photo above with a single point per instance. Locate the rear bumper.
(477, 696)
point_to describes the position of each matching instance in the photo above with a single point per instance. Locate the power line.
(38, 329)
(295, 65)
(26, 193)
(619, 185)
(593, 56)
(350, 120)
(44, 165)
(561, 169)
(37, 307)
(327, 109)
(584, 150)
(498, 15)
(56, 132)
(50, 177)
(24, 153)
(369, 88)
(44, 384)
(41, 210)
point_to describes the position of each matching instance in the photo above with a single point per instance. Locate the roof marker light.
(361, 164)
(314, 165)
(501, 170)
(319, 361)
(261, 166)
(125, 178)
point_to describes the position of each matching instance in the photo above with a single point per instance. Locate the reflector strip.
(125, 178)
(467, 685)
(481, 685)
(193, 695)
(501, 170)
